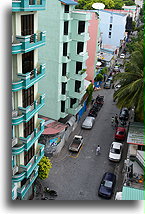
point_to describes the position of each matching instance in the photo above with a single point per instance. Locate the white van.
(88, 122)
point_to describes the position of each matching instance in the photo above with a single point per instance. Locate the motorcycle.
(51, 192)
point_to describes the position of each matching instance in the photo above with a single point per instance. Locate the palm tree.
(132, 82)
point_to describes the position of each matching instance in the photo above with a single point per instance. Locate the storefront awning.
(136, 133)
(130, 193)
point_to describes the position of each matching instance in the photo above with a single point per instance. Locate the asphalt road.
(77, 177)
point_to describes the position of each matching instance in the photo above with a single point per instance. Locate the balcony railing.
(29, 79)
(24, 44)
(25, 114)
(28, 5)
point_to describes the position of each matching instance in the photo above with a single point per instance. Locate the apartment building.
(27, 71)
(65, 55)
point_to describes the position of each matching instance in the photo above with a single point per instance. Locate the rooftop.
(136, 133)
(129, 193)
(69, 2)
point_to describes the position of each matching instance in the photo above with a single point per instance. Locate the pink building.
(91, 46)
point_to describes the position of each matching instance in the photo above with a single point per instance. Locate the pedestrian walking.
(98, 150)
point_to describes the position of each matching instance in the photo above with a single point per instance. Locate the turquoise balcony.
(80, 76)
(25, 114)
(28, 5)
(21, 192)
(83, 37)
(24, 44)
(81, 16)
(29, 79)
(81, 57)
(78, 95)
(75, 109)
(25, 143)
(25, 171)
(14, 191)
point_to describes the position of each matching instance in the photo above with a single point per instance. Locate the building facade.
(26, 100)
(65, 55)
(111, 33)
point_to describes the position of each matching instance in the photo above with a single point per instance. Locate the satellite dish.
(98, 6)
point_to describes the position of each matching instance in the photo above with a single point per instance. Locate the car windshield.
(121, 133)
(107, 184)
(116, 151)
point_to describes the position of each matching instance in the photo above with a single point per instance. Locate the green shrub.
(44, 168)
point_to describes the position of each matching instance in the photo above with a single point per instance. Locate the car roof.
(120, 129)
(77, 136)
(116, 145)
(89, 118)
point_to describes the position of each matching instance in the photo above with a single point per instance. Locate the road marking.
(71, 156)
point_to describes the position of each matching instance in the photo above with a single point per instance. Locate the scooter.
(51, 192)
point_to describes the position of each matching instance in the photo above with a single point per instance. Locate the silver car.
(88, 122)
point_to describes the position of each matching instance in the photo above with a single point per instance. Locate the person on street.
(98, 150)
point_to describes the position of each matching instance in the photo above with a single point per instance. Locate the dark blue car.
(107, 185)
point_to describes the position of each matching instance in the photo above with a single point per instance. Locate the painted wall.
(91, 47)
(118, 27)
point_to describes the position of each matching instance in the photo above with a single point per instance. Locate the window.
(110, 27)
(28, 155)
(62, 106)
(28, 96)
(141, 147)
(72, 102)
(29, 127)
(78, 67)
(77, 86)
(27, 25)
(111, 19)
(81, 27)
(109, 34)
(63, 88)
(66, 8)
(64, 67)
(66, 28)
(27, 62)
(80, 47)
(65, 49)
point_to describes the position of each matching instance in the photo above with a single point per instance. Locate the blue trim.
(97, 11)
(69, 2)
(24, 5)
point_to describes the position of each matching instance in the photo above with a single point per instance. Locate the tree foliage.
(89, 91)
(132, 82)
(99, 77)
(44, 168)
(109, 4)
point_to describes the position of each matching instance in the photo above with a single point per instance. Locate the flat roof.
(69, 2)
(129, 193)
(136, 133)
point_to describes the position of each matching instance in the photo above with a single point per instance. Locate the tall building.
(26, 100)
(65, 55)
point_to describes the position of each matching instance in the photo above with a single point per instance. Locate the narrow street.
(77, 177)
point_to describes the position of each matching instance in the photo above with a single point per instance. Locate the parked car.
(122, 56)
(88, 122)
(120, 133)
(115, 151)
(116, 68)
(107, 185)
(76, 143)
(116, 87)
(110, 78)
(107, 85)
(124, 114)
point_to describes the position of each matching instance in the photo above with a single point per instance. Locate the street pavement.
(77, 176)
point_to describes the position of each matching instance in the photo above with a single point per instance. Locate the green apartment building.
(65, 55)
(26, 100)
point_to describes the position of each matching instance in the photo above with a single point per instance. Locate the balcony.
(21, 192)
(25, 114)
(81, 16)
(67, 16)
(14, 191)
(24, 44)
(26, 143)
(63, 114)
(80, 76)
(82, 37)
(29, 79)
(65, 78)
(14, 141)
(65, 59)
(28, 5)
(15, 170)
(25, 171)
(66, 38)
(75, 109)
(81, 57)
(78, 95)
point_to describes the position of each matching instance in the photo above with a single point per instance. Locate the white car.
(115, 151)
(116, 87)
(122, 56)
(88, 122)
